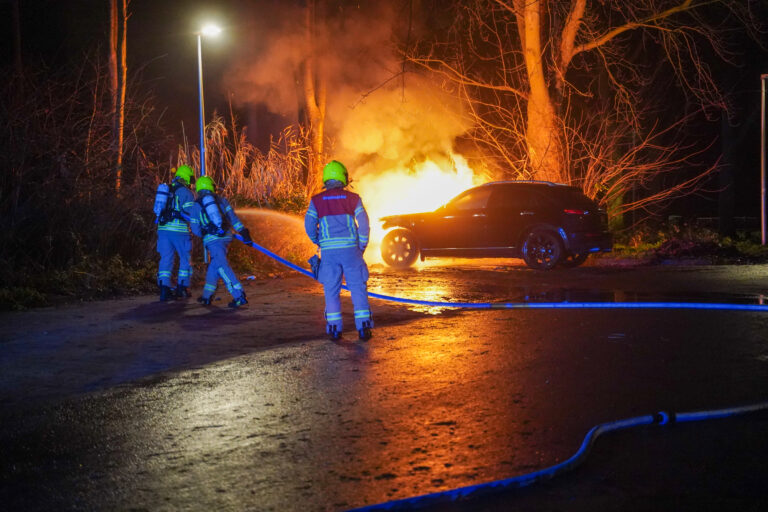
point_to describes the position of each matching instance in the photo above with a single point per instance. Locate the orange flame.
(421, 189)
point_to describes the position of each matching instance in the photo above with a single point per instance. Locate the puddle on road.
(590, 295)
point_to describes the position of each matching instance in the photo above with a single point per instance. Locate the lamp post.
(207, 30)
(213, 31)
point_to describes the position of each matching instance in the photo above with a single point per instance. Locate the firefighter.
(173, 236)
(337, 222)
(212, 218)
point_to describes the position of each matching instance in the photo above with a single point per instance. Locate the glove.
(246, 236)
(362, 248)
(314, 263)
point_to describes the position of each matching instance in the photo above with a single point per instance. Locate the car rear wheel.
(574, 260)
(399, 248)
(542, 250)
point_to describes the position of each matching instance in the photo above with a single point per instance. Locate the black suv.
(544, 223)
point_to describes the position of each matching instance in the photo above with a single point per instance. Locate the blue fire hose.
(660, 418)
(528, 305)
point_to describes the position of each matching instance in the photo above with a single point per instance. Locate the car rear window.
(572, 197)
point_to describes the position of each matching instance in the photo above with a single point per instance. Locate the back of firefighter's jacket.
(336, 219)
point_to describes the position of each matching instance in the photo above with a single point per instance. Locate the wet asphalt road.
(252, 410)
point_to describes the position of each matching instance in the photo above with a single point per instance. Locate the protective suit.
(173, 237)
(216, 238)
(337, 222)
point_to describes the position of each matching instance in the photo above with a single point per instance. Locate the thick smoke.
(400, 127)
(266, 69)
(376, 120)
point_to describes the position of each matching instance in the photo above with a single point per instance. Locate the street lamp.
(212, 31)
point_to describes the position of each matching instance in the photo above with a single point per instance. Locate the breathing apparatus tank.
(214, 214)
(162, 196)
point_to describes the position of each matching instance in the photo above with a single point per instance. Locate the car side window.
(514, 198)
(472, 200)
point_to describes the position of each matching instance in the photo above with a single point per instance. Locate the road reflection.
(430, 404)
(431, 412)
(336, 423)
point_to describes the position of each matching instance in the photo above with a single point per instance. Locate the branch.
(506, 6)
(569, 32)
(365, 95)
(455, 76)
(685, 6)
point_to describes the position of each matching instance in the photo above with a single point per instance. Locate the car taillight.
(575, 212)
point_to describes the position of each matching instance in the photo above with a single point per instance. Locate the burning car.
(546, 224)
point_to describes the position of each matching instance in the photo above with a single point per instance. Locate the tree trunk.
(120, 110)
(314, 99)
(543, 131)
(113, 30)
(117, 79)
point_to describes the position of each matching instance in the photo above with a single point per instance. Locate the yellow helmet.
(205, 183)
(335, 170)
(186, 173)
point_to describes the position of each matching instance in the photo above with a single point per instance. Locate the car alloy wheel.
(399, 248)
(542, 250)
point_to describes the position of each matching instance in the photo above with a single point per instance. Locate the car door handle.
(479, 215)
(527, 213)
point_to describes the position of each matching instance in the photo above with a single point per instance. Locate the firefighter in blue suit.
(173, 237)
(212, 217)
(337, 222)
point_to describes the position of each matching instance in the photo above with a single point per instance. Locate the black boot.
(166, 293)
(182, 292)
(240, 301)
(365, 333)
(334, 334)
(204, 301)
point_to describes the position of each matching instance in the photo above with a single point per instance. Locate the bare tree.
(563, 90)
(118, 71)
(314, 94)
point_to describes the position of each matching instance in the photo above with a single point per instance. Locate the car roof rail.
(540, 182)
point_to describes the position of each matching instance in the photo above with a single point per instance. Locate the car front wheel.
(399, 248)
(542, 250)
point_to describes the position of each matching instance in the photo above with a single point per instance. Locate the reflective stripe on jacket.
(336, 219)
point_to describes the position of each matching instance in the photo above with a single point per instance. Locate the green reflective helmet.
(186, 173)
(205, 183)
(335, 170)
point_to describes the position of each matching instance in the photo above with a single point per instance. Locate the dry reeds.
(241, 171)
